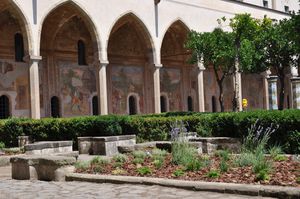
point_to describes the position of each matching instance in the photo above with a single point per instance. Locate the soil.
(284, 173)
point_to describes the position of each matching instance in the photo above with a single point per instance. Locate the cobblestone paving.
(12, 189)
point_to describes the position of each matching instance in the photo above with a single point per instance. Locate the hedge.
(157, 126)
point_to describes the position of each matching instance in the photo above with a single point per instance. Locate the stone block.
(46, 148)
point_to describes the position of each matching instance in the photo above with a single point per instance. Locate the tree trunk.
(282, 89)
(221, 96)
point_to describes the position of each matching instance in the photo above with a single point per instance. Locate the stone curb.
(230, 188)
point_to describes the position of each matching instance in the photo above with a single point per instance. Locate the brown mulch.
(284, 173)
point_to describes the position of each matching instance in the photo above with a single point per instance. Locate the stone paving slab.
(10, 189)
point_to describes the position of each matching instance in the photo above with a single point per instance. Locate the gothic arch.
(15, 10)
(82, 13)
(140, 26)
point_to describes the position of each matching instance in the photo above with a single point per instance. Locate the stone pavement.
(11, 189)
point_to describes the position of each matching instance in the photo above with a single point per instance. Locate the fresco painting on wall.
(171, 84)
(14, 78)
(126, 80)
(77, 85)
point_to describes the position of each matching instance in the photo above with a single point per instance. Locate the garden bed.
(220, 167)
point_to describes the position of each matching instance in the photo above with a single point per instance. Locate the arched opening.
(81, 53)
(19, 47)
(130, 55)
(213, 104)
(190, 104)
(95, 106)
(177, 76)
(132, 104)
(68, 49)
(55, 110)
(163, 104)
(4, 107)
(14, 46)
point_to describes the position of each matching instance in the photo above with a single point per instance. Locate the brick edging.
(230, 188)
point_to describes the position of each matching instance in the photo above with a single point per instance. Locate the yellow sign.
(245, 103)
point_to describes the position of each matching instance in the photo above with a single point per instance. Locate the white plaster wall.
(200, 15)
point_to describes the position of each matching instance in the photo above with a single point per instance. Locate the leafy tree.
(217, 50)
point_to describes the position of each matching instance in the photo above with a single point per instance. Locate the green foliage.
(118, 164)
(223, 166)
(80, 165)
(245, 159)
(262, 168)
(144, 171)
(275, 151)
(213, 174)
(119, 172)
(99, 161)
(138, 160)
(280, 158)
(157, 153)
(2, 145)
(97, 168)
(223, 154)
(139, 154)
(183, 153)
(158, 163)
(219, 124)
(194, 165)
(120, 158)
(178, 173)
(262, 175)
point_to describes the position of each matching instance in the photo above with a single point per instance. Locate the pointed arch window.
(163, 104)
(95, 106)
(190, 104)
(214, 104)
(81, 53)
(19, 47)
(4, 107)
(132, 105)
(55, 107)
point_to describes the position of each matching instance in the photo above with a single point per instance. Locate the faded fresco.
(126, 80)
(14, 80)
(170, 83)
(77, 85)
(252, 88)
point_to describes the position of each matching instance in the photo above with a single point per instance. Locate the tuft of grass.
(139, 154)
(183, 153)
(262, 176)
(213, 174)
(118, 164)
(158, 164)
(80, 165)
(121, 158)
(223, 154)
(144, 171)
(178, 173)
(245, 159)
(194, 165)
(275, 151)
(99, 160)
(138, 160)
(224, 166)
(280, 158)
(97, 168)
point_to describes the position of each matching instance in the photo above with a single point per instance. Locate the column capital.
(32, 58)
(158, 66)
(100, 64)
(200, 66)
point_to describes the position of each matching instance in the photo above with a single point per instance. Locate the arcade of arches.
(72, 82)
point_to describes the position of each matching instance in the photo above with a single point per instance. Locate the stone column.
(237, 85)
(266, 75)
(34, 87)
(200, 85)
(156, 84)
(272, 89)
(295, 81)
(102, 88)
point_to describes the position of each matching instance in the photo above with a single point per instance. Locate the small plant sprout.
(144, 171)
(178, 173)
(99, 160)
(213, 174)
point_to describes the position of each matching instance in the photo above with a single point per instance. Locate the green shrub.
(223, 154)
(178, 173)
(139, 154)
(262, 167)
(158, 163)
(223, 166)
(158, 153)
(138, 160)
(194, 165)
(118, 164)
(275, 151)
(2, 145)
(213, 174)
(144, 171)
(183, 153)
(245, 159)
(121, 158)
(280, 158)
(80, 165)
(99, 161)
(262, 176)
(97, 168)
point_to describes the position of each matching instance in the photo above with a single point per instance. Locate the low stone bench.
(104, 145)
(50, 168)
(211, 144)
(46, 148)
